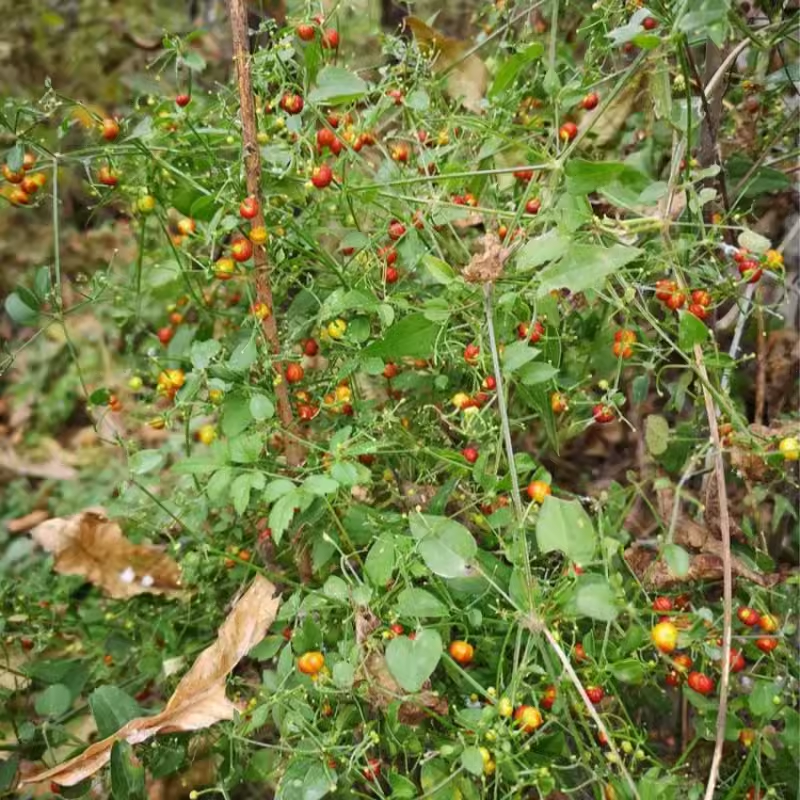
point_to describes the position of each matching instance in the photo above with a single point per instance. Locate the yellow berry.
(790, 448)
(337, 329)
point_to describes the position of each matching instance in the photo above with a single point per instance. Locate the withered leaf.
(199, 699)
(487, 266)
(92, 546)
(467, 75)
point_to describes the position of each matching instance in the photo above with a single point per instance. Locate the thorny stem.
(252, 162)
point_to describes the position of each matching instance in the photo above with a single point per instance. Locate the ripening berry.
(749, 616)
(701, 683)
(109, 129)
(558, 403)
(665, 636)
(241, 249)
(461, 652)
(595, 694)
(789, 448)
(568, 131)
(533, 206)
(321, 176)
(294, 373)
(538, 491)
(528, 718)
(330, 39)
(603, 413)
(305, 32)
(471, 353)
(183, 100)
(590, 101)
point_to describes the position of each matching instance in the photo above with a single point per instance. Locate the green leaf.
(240, 492)
(281, 514)
(261, 407)
(194, 61)
(267, 648)
(277, 488)
(584, 177)
(112, 708)
(379, 563)
(413, 337)
(127, 775)
(412, 661)
(54, 701)
(540, 250)
(677, 560)
(629, 670)
(440, 271)
(531, 374)
(236, 416)
(336, 588)
(343, 675)
(595, 599)
(565, 526)
(656, 434)
(516, 355)
(336, 85)
(508, 72)
(305, 779)
(691, 331)
(145, 461)
(320, 485)
(243, 355)
(760, 699)
(203, 353)
(446, 546)
(754, 242)
(8, 772)
(19, 312)
(418, 99)
(472, 760)
(418, 603)
(585, 266)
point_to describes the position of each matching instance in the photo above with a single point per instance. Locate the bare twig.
(761, 367)
(501, 401)
(237, 10)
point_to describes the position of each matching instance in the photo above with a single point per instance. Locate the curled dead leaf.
(487, 266)
(92, 546)
(467, 75)
(199, 700)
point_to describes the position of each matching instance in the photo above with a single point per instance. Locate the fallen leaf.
(90, 545)
(467, 75)
(199, 700)
(53, 469)
(26, 522)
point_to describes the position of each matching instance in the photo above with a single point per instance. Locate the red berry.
(392, 275)
(183, 100)
(662, 604)
(107, 176)
(292, 103)
(675, 301)
(489, 383)
(749, 616)
(532, 206)
(241, 249)
(766, 644)
(701, 683)
(307, 412)
(397, 629)
(649, 23)
(470, 454)
(603, 413)
(595, 693)
(310, 347)
(471, 352)
(696, 310)
(325, 138)
(388, 253)
(396, 230)
(737, 661)
(590, 101)
(322, 176)
(390, 371)
(701, 297)
(373, 769)
(580, 652)
(397, 96)
(248, 208)
(110, 129)
(294, 373)
(305, 31)
(568, 131)
(330, 39)
(165, 335)
(548, 698)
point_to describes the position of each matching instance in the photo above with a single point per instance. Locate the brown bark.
(237, 10)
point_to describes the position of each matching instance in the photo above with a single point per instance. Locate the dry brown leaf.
(25, 523)
(612, 121)
(54, 469)
(487, 267)
(199, 700)
(90, 545)
(467, 75)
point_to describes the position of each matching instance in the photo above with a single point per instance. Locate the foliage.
(507, 309)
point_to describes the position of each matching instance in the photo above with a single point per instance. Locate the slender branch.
(501, 402)
(237, 10)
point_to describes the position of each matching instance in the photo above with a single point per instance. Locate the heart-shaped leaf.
(412, 661)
